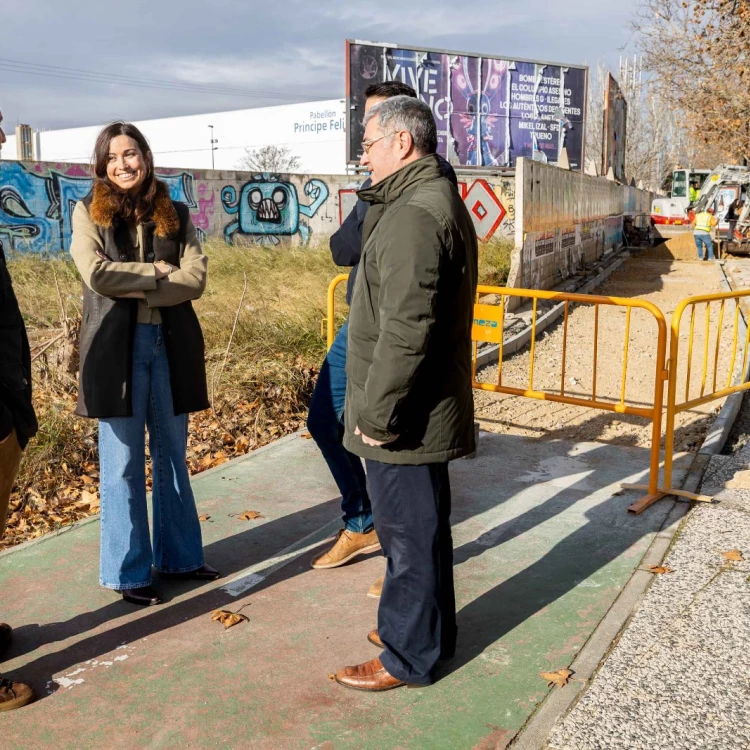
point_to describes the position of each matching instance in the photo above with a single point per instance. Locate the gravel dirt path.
(661, 281)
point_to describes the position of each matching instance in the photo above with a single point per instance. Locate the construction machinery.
(721, 188)
(669, 215)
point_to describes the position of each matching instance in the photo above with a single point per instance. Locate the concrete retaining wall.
(558, 220)
(37, 201)
(567, 220)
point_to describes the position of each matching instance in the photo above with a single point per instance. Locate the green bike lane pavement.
(543, 546)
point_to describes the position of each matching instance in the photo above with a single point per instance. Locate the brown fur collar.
(104, 207)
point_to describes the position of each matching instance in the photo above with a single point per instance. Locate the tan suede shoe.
(14, 694)
(376, 589)
(347, 546)
(374, 638)
(371, 676)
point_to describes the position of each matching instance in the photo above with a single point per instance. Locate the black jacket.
(16, 409)
(346, 242)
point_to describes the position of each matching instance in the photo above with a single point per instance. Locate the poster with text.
(489, 111)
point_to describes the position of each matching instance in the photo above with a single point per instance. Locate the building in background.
(311, 132)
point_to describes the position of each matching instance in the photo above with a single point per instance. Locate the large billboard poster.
(615, 127)
(489, 110)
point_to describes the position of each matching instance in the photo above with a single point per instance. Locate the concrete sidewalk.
(543, 546)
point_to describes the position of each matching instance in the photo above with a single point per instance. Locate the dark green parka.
(409, 347)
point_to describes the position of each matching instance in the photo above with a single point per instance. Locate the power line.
(77, 159)
(56, 71)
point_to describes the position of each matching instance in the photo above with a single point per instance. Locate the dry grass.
(260, 392)
(494, 261)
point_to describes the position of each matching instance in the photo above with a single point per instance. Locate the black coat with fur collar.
(108, 327)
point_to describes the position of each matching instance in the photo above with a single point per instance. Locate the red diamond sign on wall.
(485, 209)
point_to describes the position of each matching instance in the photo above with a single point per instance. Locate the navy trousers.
(411, 506)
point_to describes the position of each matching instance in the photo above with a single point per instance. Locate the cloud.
(276, 52)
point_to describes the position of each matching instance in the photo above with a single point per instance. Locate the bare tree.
(275, 159)
(697, 53)
(658, 135)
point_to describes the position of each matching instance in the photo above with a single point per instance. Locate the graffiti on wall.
(37, 200)
(36, 203)
(269, 208)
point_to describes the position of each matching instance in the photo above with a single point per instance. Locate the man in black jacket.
(326, 417)
(17, 425)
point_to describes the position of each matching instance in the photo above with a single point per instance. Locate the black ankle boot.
(145, 596)
(204, 573)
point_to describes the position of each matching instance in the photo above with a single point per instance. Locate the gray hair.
(407, 113)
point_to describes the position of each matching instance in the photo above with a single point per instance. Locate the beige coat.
(111, 279)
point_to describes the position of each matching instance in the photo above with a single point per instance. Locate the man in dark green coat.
(409, 405)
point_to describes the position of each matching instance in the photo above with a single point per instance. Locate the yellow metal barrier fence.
(717, 390)
(329, 322)
(489, 322)
(488, 326)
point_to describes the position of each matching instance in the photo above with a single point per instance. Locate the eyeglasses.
(367, 145)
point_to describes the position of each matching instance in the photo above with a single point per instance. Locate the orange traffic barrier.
(329, 322)
(489, 327)
(719, 387)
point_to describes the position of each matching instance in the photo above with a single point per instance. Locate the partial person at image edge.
(18, 425)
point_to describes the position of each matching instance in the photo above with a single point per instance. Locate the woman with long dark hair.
(142, 363)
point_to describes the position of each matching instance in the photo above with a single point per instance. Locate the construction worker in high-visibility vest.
(693, 192)
(705, 221)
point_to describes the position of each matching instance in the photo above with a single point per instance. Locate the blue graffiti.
(36, 209)
(269, 208)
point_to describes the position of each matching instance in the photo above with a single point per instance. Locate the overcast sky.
(267, 52)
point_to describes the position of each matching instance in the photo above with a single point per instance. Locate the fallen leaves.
(733, 555)
(659, 569)
(58, 483)
(203, 517)
(560, 678)
(227, 618)
(250, 515)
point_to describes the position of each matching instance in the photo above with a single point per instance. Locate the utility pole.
(213, 141)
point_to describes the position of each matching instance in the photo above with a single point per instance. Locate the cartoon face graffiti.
(262, 203)
(269, 208)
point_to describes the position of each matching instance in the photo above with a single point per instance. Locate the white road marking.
(257, 573)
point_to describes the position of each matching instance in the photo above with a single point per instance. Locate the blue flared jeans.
(127, 550)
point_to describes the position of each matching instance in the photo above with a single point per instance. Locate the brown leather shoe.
(347, 546)
(14, 694)
(370, 676)
(376, 589)
(374, 638)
